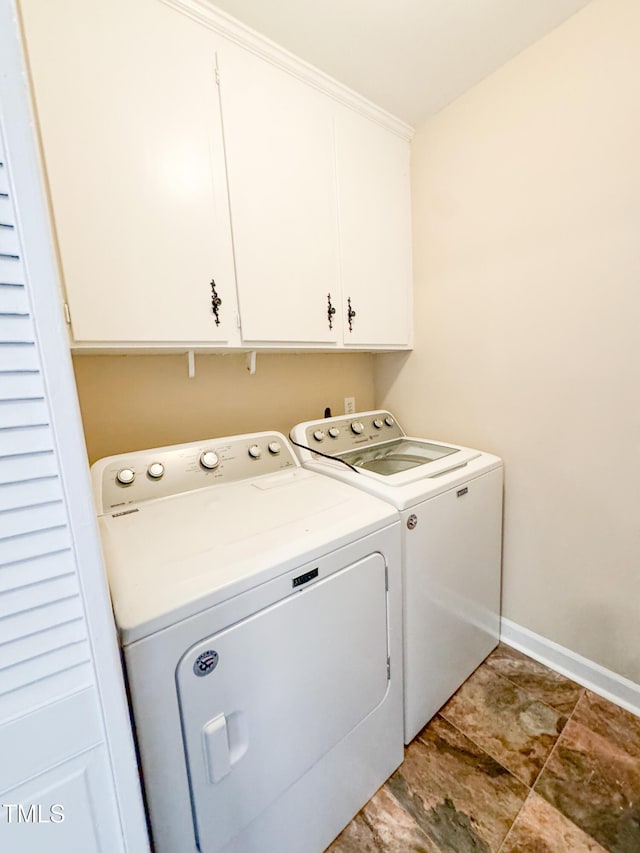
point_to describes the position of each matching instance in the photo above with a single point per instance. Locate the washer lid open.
(406, 456)
(398, 455)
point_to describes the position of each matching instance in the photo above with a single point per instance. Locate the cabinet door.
(280, 161)
(375, 231)
(129, 112)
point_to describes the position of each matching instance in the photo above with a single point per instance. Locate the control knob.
(274, 447)
(126, 476)
(155, 470)
(378, 423)
(209, 459)
(334, 432)
(255, 452)
(389, 421)
(318, 435)
(357, 427)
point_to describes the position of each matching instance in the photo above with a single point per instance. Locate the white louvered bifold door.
(44, 650)
(58, 784)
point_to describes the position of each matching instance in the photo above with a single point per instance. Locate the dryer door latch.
(216, 748)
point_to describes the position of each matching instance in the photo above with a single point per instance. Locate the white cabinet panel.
(375, 231)
(129, 112)
(69, 807)
(280, 161)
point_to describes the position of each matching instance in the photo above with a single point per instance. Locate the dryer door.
(282, 687)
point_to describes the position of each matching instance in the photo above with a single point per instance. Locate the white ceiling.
(411, 57)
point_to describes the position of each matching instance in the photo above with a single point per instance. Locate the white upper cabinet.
(183, 149)
(280, 162)
(372, 166)
(129, 112)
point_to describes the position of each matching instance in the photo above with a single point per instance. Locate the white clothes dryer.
(259, 612)
(450, 502)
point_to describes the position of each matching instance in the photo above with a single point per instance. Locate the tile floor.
(520, 760)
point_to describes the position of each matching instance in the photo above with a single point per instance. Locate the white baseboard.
(591, 675)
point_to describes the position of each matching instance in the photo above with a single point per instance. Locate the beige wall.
(527, 266)
(137, 401)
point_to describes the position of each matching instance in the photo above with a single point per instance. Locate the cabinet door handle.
(216, 302)
(350, 314)
(330, 311)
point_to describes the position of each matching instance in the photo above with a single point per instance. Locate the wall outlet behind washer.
(349, 405)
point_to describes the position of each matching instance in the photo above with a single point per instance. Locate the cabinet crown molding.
(207, 14)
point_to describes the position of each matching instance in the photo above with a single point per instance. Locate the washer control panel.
(338, 435)
(163, 471)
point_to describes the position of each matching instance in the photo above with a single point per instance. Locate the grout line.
(532, 789)
(513, 822)
(369, 824)
(553, 749)
(524, 690)
(477, 745)
(506, 769)
(510, 772)
(568, 680)
(402, 807)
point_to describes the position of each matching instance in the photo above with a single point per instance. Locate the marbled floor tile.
(536, 678)
(621, 727)
(461, 798)
(539, 828)
(382, 826)
(509, 723)
(593, 774)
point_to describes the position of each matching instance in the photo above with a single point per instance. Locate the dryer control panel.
(164, 471)
(348, 432)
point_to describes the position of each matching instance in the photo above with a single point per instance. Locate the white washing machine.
(259, 611)
(450, 503)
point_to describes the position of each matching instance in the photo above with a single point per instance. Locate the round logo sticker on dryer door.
(205, 663)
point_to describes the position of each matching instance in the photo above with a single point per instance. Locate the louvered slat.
(11, 270)
(18, 357)
(35, 544)
(28, 493)
(22, 521)
(45, 666)
(22, 440)
(39, 694)
(25, 598)
(9, 244)
(27, 648)
(35, 569)
(13, 299)
(22, 413)
(16, 328)
(27, 467)
(19, 384)
(40, 620)
(6, 211)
